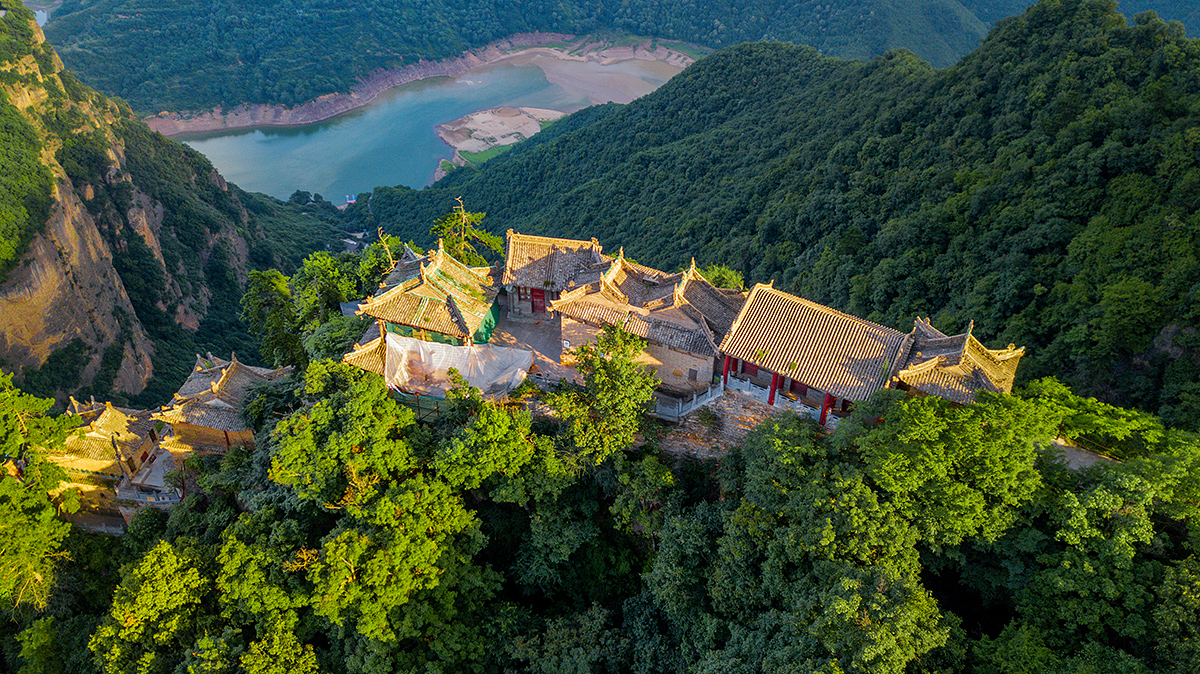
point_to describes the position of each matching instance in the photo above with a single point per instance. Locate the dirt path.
(737, 415)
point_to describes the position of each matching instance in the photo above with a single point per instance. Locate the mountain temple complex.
(782, 349)
(433, 313)
(123, 460)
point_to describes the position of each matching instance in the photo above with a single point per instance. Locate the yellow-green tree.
(31, 534)
(458, 228)
(604, 415)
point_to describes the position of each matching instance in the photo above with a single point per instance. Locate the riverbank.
(541, 49)
(42, 8)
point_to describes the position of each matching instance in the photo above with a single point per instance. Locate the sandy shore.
(483, 130)
(541, 49)
(486, 129)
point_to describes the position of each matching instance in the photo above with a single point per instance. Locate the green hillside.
(181, 269)
(185, 54)
(919, 538)
(1045, 187)
(1184, 11)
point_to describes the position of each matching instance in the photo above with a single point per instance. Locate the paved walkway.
(1078, 458)
(542, 337)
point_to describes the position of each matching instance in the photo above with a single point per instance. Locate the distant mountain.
(1184, 11)
(188, 56)
(1047, 186)
(116, 244)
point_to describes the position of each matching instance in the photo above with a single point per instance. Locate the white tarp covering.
(414, 366)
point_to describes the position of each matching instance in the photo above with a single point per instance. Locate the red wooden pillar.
(825, 405)
(725, 373)
(774, 385)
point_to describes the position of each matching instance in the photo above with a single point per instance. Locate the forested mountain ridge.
(115, 243)
(182, 56)
(1184, 11)
(195, 56)
(1044, 187)
(921, 537)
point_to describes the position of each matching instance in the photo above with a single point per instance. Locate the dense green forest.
(921, 537)
(188, 55)
(1184, 11)
(1045, 187)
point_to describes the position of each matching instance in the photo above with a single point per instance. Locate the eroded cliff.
(64, 287)
(117, 241)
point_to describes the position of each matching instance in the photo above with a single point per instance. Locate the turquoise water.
(392, 141)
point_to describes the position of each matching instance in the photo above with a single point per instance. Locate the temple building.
(785, 350)
(796, 353)
(537, 269)
(122, 460)
(436, 298)
(681, 347)
(807, 353)
(717, 307)
(206, 413)
(956, 367)
(114, 444)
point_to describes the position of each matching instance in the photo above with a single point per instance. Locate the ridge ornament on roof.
(437, 294)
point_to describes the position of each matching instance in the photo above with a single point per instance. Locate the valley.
(390, 140)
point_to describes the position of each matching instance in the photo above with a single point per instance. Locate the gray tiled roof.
(406, 267)
(687, 339)
(204, 414)
(213, 395)
(819, 346)
(554, 264)
(641, 300)
(719, 306)
(957, 367)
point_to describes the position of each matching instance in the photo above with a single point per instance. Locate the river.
(392, 141)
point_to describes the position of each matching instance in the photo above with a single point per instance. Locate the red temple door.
(538, 297)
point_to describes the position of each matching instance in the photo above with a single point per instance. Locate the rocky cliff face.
(66, 289)
(136, 227)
